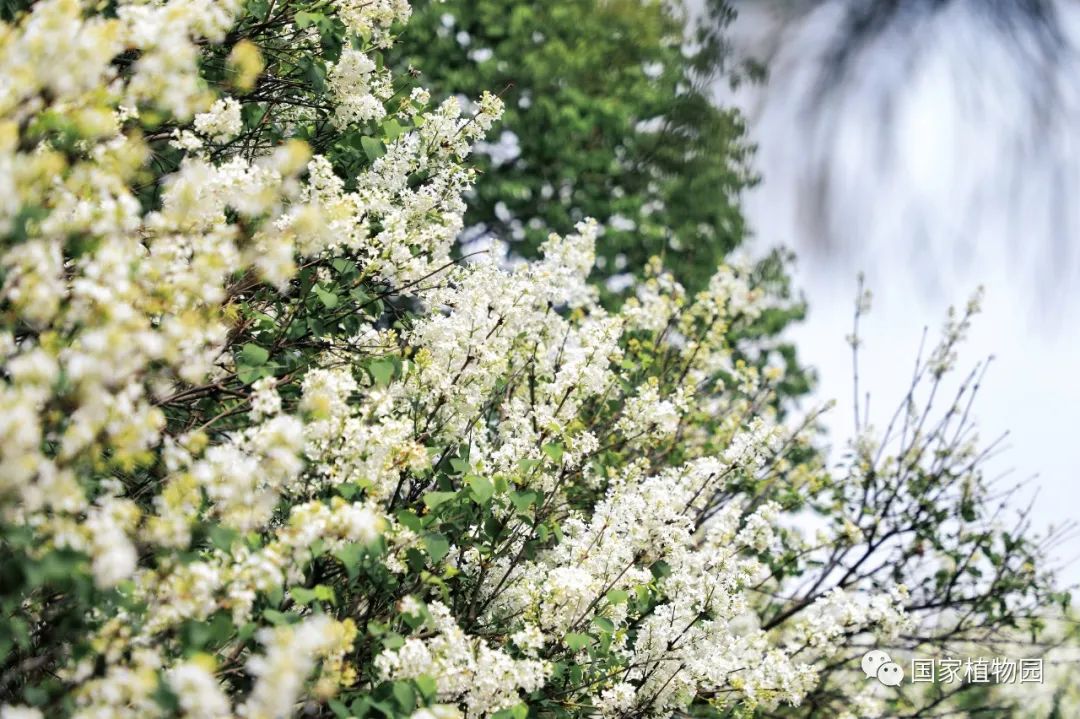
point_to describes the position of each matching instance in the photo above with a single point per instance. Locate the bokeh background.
(936, 147)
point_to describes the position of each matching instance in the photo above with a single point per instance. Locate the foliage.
(267, 450)
(607, 116)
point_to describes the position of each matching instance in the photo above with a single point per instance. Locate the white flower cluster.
(694, 641)
(126, 323)
(839, 613)
(291, 655)
(465, 669)
(221, 122)
(373, 19)
(199, 693)
(648, 414)
(359, 90)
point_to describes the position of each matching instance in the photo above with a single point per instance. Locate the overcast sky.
(948, 157)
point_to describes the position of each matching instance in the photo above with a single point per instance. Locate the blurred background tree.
(608, 116)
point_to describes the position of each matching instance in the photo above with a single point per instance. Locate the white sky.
(938, 166)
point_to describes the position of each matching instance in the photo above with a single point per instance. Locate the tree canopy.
(608, 116)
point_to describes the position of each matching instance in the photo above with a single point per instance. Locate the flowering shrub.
(267, 450)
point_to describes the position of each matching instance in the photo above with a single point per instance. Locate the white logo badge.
(878, 665)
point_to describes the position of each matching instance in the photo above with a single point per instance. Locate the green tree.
(608, 116)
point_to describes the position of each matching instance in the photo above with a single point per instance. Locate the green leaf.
(329, 299)
(523, 501)
(437, 546)
(426, 685)
(404, 695)
(576, 641)
(605, 624)
(373, 147)
(414, 620)
(409, 519)
(392, 129)
(527, 465)
(315, 73)
(278, 618)
(459, 465)
(350, 556)
(340, 710)
(35, 696)
(55, 566)
(481, 487)
(342, 266)
(253, 354)
(18, 628)
(434, 499)
(249, 375)
(518, 711)
(382, 371)
(361, 706)
(222, 537)
(555, 451)
(307, 19)
(384, 708)
(617, 596)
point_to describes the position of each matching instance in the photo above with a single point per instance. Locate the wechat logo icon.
(876, 664)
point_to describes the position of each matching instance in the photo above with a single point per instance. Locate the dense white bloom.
(109, 524)
(529, 639)
(20, 712)
(265, 401)
(465, 669)
(648, 413)
(222, 122)
(199, 693)
(837, 613)
(617, 700)
(757, 532)
(372, 18)
(290, 656)
(359, 91)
